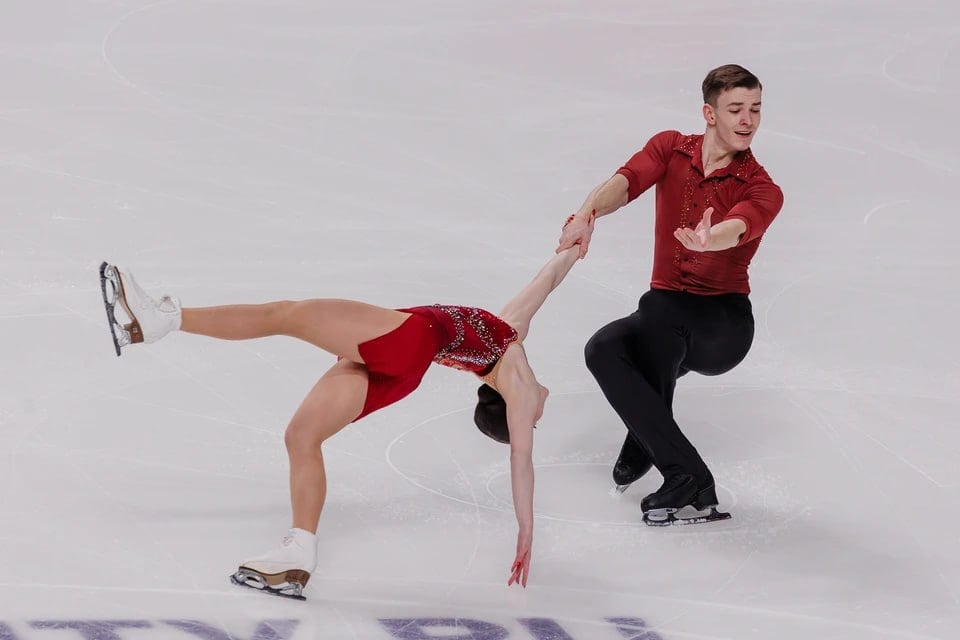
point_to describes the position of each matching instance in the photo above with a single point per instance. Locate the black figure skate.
(679, 492)
(631, 465)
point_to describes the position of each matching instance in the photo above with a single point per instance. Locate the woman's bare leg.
(333, 403)
(521, 309)
(336, 326)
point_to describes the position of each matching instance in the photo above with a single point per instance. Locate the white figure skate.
(149, 319)
(283, 571)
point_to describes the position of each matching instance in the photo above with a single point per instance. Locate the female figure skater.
(382, 356)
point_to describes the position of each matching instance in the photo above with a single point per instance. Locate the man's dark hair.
(490, 416)
(729, 76)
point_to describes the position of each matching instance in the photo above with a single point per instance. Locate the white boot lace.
(168, 304)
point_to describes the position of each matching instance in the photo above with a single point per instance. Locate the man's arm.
(641, 172)
(606, 198)
(726, 234)
(709, 237)
(746, 221)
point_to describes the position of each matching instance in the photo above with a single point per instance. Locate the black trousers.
(638, 359)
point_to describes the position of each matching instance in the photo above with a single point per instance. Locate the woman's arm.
(521, 480)
(521, 309)
(524, 397)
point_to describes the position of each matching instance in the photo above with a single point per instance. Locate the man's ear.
(709, 114)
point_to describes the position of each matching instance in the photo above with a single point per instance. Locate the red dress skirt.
(465, 338)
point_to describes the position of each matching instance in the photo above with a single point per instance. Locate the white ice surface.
(427, 151)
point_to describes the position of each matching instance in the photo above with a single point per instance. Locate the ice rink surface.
(424, 151)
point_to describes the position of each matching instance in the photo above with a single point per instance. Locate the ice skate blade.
(666, 517)
(283, 588)
(621, 488)
(110, 290)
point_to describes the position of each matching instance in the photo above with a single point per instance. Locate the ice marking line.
(188, 576)
(613, 493)
(866, 218)
(746, 609)
(475, 504)
(113, 29)
(895, 454)
(389, 452)
(344, 452)
(885, 70)
(32, 111)
(202, 385)
(835, 436)
(924, 160)
(537, 516)
(826, 427)
(120, 185)
(813, 141)
(776, 298)
(36, 315)
(346, 622)
(831, 431)
(251, 349)
(209, 121)
(771, 532)
(732, 389)
(497, 499)
(146, 463)
(909, 530)
(194, 414)
(229, 592)
(74, 142)
(91, 587)
(476, 512)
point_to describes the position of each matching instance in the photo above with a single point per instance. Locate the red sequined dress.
(475, 338)
(464, 338)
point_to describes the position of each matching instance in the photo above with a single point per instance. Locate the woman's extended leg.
(525, 304)
(336, 326)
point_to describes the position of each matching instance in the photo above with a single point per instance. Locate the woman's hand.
(521, 564)
(577, 230)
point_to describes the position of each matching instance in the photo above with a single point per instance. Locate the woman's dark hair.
(490, 416)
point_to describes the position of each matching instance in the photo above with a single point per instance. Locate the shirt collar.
(741, 167)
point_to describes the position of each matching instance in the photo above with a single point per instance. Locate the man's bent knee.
(600, 348)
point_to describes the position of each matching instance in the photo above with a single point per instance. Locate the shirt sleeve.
(648, 165)
(760, 205)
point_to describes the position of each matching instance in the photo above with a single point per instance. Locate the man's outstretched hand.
(696, 239)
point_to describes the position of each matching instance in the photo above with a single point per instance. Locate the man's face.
(736, 117)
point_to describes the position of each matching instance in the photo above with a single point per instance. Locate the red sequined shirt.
(674, 163)
(472, 339)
